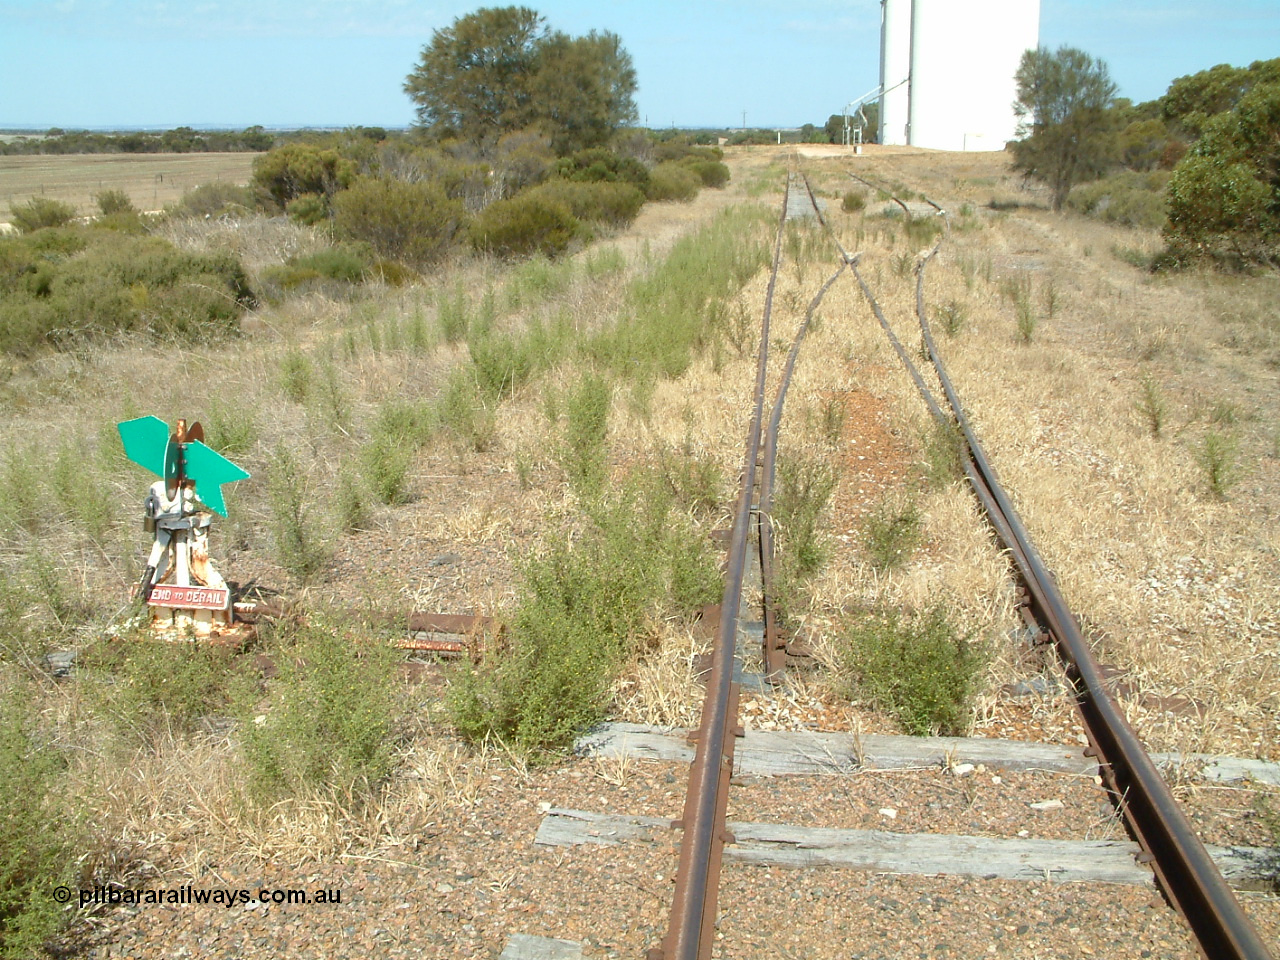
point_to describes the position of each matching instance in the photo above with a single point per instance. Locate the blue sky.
(165, 63)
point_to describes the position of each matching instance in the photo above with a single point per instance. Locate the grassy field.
(150, 180)
(436, 446)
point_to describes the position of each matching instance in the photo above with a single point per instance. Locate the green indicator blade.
(210, 470)
(145, 441)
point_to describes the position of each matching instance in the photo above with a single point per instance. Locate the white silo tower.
(895, 70)
(963, 55)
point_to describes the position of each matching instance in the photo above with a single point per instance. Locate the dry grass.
(150, 180)
(1179, 587)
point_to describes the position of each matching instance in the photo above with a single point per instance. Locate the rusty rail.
(1185, 872)
(694, 902)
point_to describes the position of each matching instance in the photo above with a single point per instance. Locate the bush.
(853, 201)
(308, 209)
(1130, 198)
(615, 204)
(1222, 198)
(113, 202)
(712, 173)
(212, 200)
(40, 212)
(328, 724)
(915, 666)
(345, 263)
(296, 169)
(583, 613)
(523, 226)
(672, 181)
(117, 284)
(38, 839)
(599, 164)
(413, 222)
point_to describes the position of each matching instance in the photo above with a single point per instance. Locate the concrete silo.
(962, 57)
(895, 70)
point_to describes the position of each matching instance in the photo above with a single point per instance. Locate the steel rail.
(691, 927)
(1186, 872)
(775, 651)
(1183, 868)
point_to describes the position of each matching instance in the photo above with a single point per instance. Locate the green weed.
(40, 838)
(584, 611)
(951, 317)
(300, 550)
(916, 666)
(328, 722)
(1219, 457)
(152, 691)
(1152, 406)
(804, 487)
(584, 452)
(893, 532)
(385, 462)
(295, 375)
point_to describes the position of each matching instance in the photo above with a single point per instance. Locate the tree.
(500, 70)
(1192, 101)
(1224, 197)
(1065, 126)
(472, 80)
(583, 90)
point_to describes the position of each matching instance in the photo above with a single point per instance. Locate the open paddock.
(150, 179)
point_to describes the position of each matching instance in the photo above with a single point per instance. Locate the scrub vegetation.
(504, 374)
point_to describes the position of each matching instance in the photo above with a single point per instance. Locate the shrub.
(1222, 197)
(712, 173)
(212, 200)
(114, 201)
(583, 613)
(672, 181)
(162, 689)
(308, 209)
(328, 724)
(523, 226)
(853, 201)
(916, 666)
(39, 840)
(345, 263)
(296, 169)
(118, 284)
(1129, 198)
(599, 164)
(40, 212)
(893, 532)
(414, 222)
(616, 204)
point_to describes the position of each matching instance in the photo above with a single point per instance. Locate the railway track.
(1185, 872)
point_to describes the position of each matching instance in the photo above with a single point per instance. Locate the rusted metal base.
(452, 634)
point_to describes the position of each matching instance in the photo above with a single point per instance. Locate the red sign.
(190, 598)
